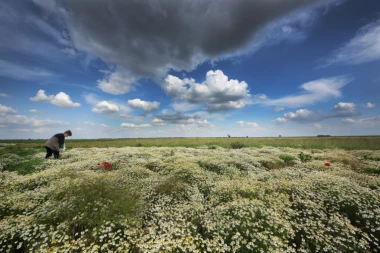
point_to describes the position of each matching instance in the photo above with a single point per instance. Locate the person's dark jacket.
(55, 142)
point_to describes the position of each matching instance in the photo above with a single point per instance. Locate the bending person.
(55, 143)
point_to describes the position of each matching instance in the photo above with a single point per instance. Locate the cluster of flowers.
(202, 200)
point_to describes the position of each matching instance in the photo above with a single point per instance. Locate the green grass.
(22, 167)
(21, 160)
(20, 149)
(347, 143)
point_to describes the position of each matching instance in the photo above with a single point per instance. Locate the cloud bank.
(147, 38)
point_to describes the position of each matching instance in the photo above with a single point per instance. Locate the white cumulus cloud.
(343, 109)
(247, 124)
(60, 100)
(144, 105)
(130, 125)
(280, 121)
(105, 107)
(370, 105)
(117, 82)
(217, 92)
(6, 109)
(203, 123)
(158, 122)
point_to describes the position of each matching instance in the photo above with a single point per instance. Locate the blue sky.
(123, 69)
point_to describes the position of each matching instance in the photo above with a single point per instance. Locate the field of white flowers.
(206, 199)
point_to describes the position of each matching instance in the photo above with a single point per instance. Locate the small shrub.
(288, 159)
(237, 145)
(305, 157)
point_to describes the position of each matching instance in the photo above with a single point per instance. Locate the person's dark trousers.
(49, 152)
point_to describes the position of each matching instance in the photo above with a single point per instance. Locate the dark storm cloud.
(146, 37)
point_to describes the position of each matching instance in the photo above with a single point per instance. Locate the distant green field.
(347, 143)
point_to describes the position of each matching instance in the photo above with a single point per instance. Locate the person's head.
(67, 133)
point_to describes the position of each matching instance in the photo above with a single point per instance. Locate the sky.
(189, 68)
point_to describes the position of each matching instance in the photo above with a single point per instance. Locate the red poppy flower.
(327, 164)
(119, 161)
(107, 165)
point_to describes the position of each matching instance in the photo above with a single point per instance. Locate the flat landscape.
(192, 195)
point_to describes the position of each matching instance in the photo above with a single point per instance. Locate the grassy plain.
(344, 142)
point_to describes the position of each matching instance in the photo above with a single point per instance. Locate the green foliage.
(367, 157)
(288, 159)
(151, 166)
(375, 171)
(20, 166)
(237, 145)
(305, 157)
